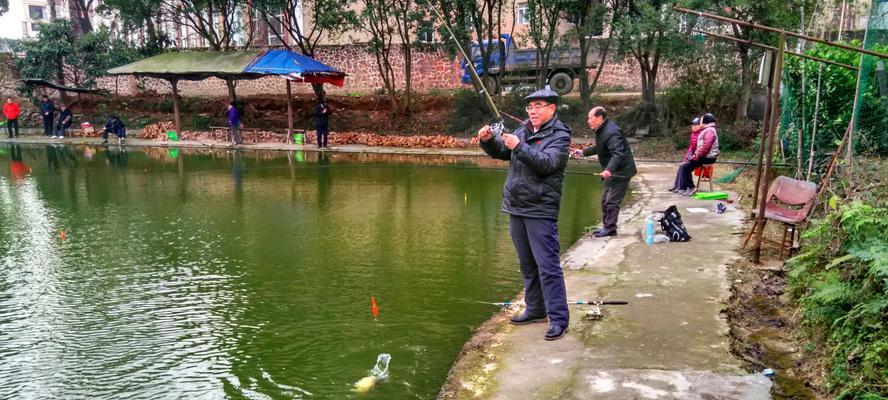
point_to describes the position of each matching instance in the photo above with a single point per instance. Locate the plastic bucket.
(298, 138)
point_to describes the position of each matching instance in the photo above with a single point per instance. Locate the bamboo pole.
(780, 31)
(772, 48)
(774, 119)
(765, 129)
(814, 129)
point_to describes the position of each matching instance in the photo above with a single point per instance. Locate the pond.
(165, 273)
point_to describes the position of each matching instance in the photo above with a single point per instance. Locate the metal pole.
(765, 125)
(780, 31)
(772, 48)
(775, 114)
(289, 112)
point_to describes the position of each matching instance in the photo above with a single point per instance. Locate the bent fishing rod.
(497, 127)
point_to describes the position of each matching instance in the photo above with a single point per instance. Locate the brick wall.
(8, 76)
(432, 69)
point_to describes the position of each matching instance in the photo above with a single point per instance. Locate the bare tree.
(216, 21)
(329, 18)
(545, 15)
(79, 11)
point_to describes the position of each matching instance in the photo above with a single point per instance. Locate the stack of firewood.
(372, 139)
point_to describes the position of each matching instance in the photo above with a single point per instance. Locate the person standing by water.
(322, 119)
(11, 111)
(234, 123)
(616, 158)
(47, 111)
(537, 152)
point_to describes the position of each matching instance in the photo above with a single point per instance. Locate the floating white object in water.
(640, 295)
(378, 373)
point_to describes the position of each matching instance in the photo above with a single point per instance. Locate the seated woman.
(696, 127)
(706, 152)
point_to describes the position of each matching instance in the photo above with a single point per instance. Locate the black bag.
(672, 225)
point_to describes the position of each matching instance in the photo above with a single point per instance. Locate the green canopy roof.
(192, 65)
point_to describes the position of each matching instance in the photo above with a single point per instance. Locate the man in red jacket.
(11, 112)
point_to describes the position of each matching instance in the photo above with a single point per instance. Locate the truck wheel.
(561, 83)
(491, 84)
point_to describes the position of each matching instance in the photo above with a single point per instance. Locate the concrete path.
(135, 142)
(670, 342)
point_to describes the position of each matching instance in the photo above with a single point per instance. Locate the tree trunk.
(408, 70)
(231, 84)
(745, 84)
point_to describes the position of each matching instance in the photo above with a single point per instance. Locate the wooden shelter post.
(289, 111)
(174, 82)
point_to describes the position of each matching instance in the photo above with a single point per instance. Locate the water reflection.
(247, 274)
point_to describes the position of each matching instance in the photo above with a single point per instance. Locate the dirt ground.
(764, 328)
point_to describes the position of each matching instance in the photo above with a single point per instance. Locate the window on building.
(276, 30)
(35, 12)
(425, 32)
(523, 16)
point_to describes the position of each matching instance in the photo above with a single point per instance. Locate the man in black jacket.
(537, 152)
(47, 109)
(616, 158)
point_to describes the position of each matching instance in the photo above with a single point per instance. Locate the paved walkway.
(670, 342)
(135, 142)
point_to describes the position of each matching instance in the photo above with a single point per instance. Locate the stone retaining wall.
(432, 69)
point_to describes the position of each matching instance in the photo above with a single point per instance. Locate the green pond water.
(154, 274)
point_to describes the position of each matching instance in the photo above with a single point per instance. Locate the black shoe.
(525, 319)
(604, 232)
(555, 332)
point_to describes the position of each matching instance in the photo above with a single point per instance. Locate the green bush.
(200, 122)
(837, 91)
(469, 112)
(164, 106)
(840, 281)
(709, 83)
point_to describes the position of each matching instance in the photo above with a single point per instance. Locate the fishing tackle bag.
(672, 225)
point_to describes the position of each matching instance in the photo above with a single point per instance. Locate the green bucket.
(172, 135)
(298, 138)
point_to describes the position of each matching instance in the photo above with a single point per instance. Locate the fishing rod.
(496, 127)
(579, 302)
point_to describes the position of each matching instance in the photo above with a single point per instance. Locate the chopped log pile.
(158, 132)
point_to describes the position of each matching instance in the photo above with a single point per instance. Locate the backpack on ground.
(672, 225)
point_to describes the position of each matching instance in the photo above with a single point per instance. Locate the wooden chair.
(704, 171)
(785, 191)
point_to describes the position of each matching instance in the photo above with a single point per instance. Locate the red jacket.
(11, 110)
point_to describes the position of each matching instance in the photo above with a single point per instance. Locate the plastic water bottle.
(649, 229)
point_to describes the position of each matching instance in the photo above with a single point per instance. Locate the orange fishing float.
(373, 308)
(63, 236)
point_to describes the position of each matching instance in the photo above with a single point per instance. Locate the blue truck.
(511, 66)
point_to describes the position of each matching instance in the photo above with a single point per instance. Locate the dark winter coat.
(612, 150)
(536, 169)
(116, 126)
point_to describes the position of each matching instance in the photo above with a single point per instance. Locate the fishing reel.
(594, 312)
(497, 128)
